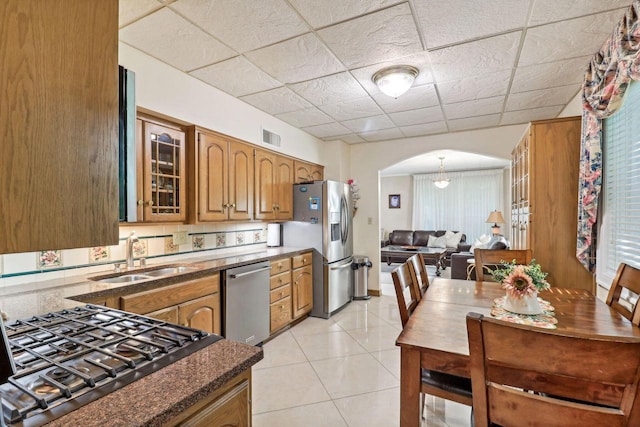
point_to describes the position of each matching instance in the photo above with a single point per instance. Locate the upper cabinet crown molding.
(59, 124)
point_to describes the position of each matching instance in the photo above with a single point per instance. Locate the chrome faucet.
(129, 252)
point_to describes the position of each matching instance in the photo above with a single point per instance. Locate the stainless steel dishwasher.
(246, 303)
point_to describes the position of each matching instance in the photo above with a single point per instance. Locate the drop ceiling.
(309, 62)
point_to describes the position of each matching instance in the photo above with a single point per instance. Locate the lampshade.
(495, 217)
(441, 181)
(396, 80)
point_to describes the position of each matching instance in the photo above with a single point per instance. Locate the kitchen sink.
(160, 271)
(166, 271)
(127, 278)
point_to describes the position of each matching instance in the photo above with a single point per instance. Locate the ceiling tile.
(551, 74)
(352, 109)
(477, 107)
(130, 10)
(475, 58)
(296, 60)
(419, 60)
(414, 98)
(473, 19)
(182, 45)
(368, 124)
(242, 24)
(567, 39)
(484, 86)
(479, 122)
(276, 101)
(304, 118)
(374, 38)
(416, 117)
(236, 76)
(349, 139)
(525, 116)
(330, 89)
(545, 11)
(326, 12)
(381, 135)
(424, 129)
(542, 98)
(327, 130)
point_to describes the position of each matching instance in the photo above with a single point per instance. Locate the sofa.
(462, 269)
(421, 238)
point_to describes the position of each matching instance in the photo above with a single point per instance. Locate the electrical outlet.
(369, 220)
(180, 238)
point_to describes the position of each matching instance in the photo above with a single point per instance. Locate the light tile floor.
(341, 372)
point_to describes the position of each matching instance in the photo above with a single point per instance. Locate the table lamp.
(496, 218)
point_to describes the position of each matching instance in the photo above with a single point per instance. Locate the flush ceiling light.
(396, 80)
(441, 180)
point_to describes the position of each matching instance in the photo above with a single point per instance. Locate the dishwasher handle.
(248, 273)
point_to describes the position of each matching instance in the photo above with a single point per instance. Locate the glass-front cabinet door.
(164, 173)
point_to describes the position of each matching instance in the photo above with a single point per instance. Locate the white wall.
(396, 219)
(167, 90)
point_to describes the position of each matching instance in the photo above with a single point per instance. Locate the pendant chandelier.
(441, 181)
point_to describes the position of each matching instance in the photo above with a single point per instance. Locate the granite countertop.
(157, 398)
(205, 266)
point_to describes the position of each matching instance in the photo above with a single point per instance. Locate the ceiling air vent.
(270, 138)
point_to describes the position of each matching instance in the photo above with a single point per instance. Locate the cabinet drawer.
(279, 293)
(155, 299)
(280, 314)
(280, 266)
(301, 260)
(280, 280)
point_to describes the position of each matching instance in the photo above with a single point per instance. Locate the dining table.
(435, 337)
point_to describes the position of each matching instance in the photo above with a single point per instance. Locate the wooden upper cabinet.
(222, 179)
(274, 186)
(59, 124)
(163, 179)
(307, 172)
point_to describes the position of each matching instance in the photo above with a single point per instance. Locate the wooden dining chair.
(485, 258)
(549, 378)
(627, 277)
(419, 273)
(445, 386)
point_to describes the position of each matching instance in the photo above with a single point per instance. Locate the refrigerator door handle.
(344, 219)
(341, 266)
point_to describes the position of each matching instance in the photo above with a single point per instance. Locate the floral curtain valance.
(606, 80)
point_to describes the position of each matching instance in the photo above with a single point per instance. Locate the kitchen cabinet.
(280, 295)
(161, 172)
(544, 187)
(273, 186)
(194, 303)
(228, 406)
(59, 124)
(302, 284)
(307, 172)
(220, 177)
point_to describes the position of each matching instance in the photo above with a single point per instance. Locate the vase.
(527, 304)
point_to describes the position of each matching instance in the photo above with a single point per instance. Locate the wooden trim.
(374, 292)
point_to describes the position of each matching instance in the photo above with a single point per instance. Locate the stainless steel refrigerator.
(322, 220)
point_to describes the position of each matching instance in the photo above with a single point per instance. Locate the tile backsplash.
(155, 242)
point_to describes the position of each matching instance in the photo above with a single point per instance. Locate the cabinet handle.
(140, 202)
(304, 260)
(150, 203)
(233, 205)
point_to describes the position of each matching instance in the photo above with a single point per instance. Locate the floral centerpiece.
(522, 283)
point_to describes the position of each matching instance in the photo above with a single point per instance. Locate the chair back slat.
(484, 258)
(627, 277)
(548, 378)
(419, 273)
(405, 291)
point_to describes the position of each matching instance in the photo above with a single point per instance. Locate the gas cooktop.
(69, 358)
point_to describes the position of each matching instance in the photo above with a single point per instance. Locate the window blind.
(620, 230)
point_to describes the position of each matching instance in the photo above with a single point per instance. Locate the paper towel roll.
(273, 234)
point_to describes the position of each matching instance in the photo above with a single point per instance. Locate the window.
(619, 239)
(462, 206)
